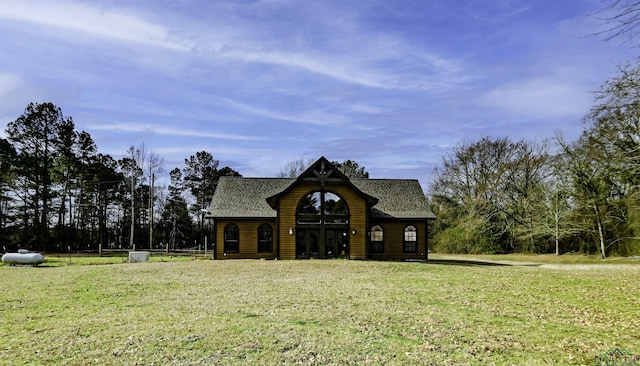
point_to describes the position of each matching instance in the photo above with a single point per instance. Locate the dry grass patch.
(568, 258)
(314, 312)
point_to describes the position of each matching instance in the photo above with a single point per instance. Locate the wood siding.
(248, 240)
(357, 221)
(284, 243)
(394, 240)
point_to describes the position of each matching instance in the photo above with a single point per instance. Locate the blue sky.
(391, 84)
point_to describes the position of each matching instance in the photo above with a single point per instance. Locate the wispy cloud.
(382, 63)
(262, 82)
(537, 98)
(497, 11)
(359, 59)
(8, 83)
(126, 127)
(91, 20)
(309, 117)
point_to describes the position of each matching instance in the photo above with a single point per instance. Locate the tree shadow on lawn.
(458, 262)
(471, 262)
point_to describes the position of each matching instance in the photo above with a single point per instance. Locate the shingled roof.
(246, 197)
(237, 197)
(397, 198)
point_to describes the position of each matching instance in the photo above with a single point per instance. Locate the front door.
(321, 243)
(307, 243)
(322, 219)
(336, 243)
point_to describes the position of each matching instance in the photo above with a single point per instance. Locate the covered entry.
(322, 226)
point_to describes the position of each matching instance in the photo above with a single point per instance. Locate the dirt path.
(479, 261)
(591, 266)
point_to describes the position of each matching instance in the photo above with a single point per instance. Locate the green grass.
(332, 312)
(82, 259)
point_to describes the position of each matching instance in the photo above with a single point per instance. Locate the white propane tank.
(23, 258)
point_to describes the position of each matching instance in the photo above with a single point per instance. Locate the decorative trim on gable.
(321, 171)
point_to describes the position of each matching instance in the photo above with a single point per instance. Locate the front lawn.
(315, 312)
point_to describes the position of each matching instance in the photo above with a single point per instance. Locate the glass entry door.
(321, 243)
(322, 226)
(336, 243)
(307, 243)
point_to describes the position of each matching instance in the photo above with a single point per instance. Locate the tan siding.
(393, 240)
(248, 241)
(357, 209)
(393, 230)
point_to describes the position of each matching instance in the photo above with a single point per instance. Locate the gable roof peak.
(323, 171)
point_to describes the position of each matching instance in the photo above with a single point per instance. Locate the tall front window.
(322, 226)
(231, 239)
(322, 207)
(265, 239)
(410, 242)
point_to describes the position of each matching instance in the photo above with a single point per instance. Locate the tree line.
(493, 195)
(58, 193)
(496, 195)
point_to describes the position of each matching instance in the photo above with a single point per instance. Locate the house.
(320, 214)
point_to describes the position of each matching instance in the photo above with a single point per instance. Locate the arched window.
(231, 239)
(311, 204)
(265, 239)
(334, 205)
(410, 242)
(377, 240)
(322, 207)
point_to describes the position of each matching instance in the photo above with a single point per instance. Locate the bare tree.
(592, 184)
(155, 165)
(487, 194)
(612, 137)
(294, 168)
(622, 18)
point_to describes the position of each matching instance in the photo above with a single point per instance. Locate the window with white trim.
(410, 242)
(376, 244)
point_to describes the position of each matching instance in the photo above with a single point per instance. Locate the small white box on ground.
(138, 257)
